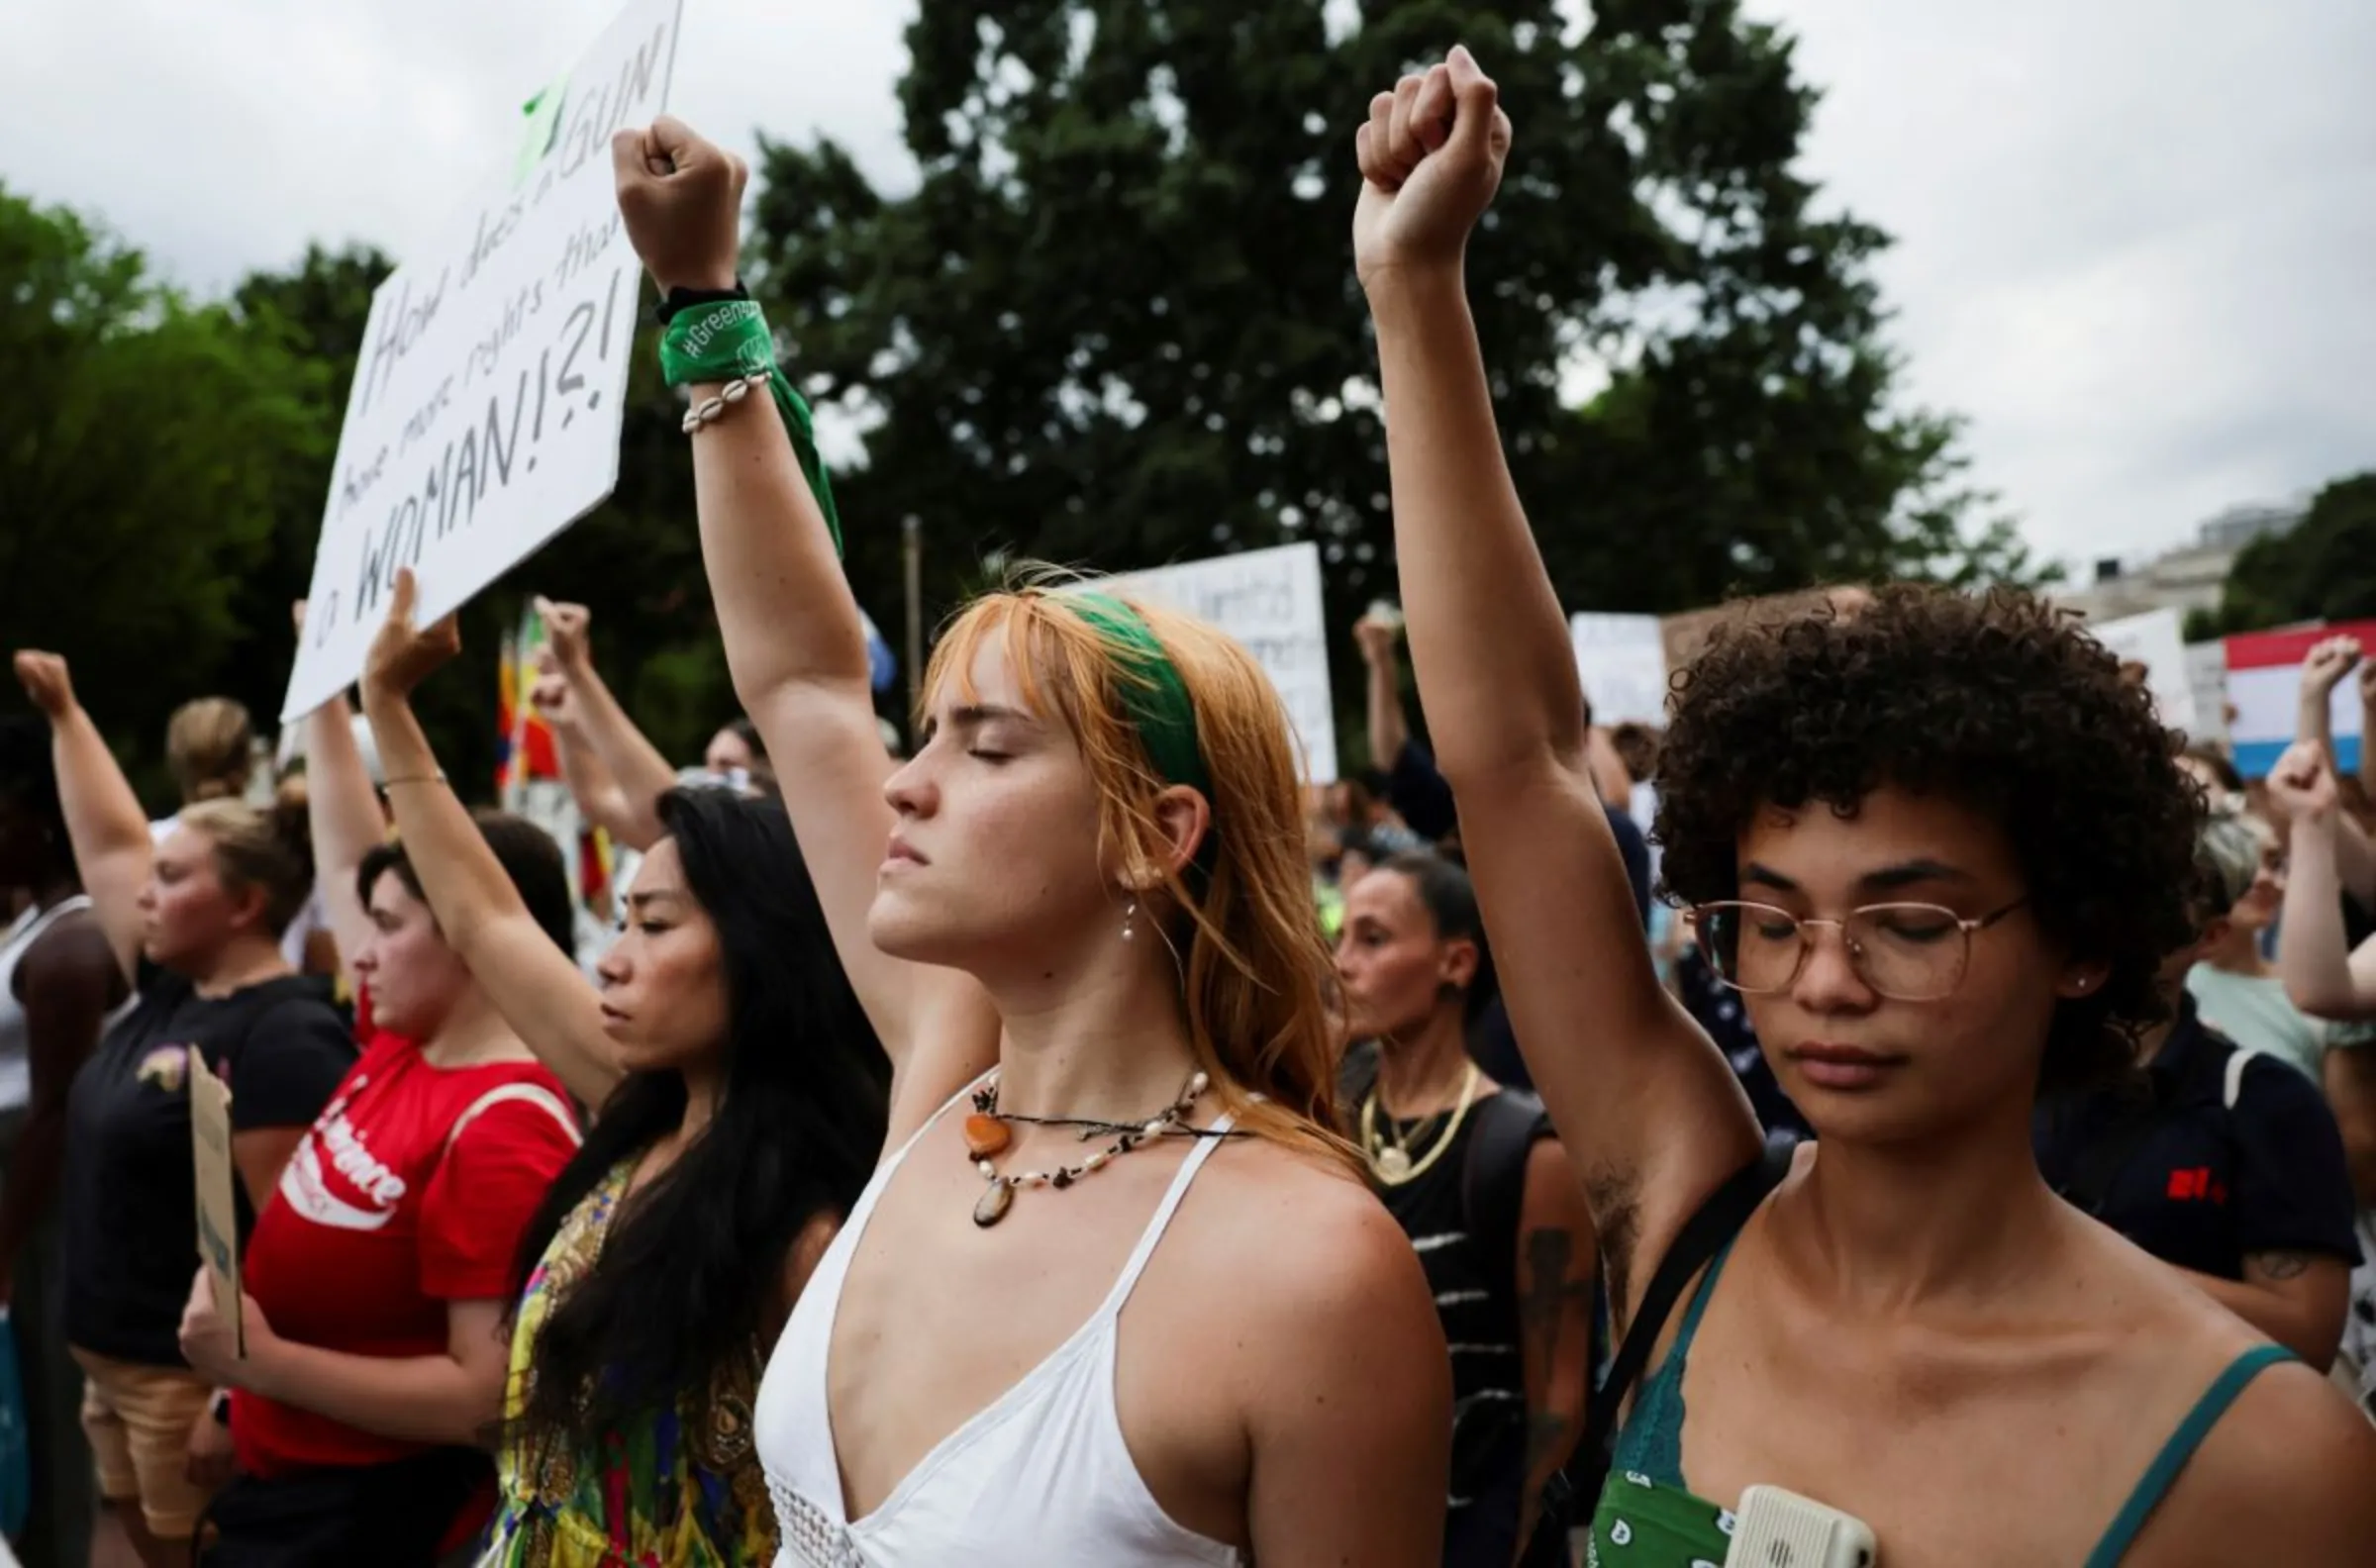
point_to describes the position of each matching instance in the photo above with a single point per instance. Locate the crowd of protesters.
(1902, 1078)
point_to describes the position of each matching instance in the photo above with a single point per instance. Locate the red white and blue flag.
(2264, 695)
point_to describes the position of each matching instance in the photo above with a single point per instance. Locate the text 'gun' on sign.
(487, 401)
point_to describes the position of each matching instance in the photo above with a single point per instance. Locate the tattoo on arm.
(2281, 1266)
(1541, 1308)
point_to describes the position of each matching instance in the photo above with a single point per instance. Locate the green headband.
(1152, 691)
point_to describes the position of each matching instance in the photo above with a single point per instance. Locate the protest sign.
(218, 1198)
(1268, 600)
(2207, 673)
(485, 411)
(2155, 641)
(2264, 695)
(1622, 662)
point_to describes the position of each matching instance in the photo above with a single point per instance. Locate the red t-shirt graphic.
(411, 1190)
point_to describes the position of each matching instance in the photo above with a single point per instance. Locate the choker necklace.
(988, 1135)
(1389, 1153)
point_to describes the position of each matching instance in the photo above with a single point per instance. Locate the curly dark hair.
(1998, 701)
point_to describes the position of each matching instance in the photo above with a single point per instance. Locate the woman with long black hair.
(740, 1099)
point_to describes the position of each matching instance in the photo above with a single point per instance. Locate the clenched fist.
(2302, 785)
(681, 199)
(1431, 158)
(47, 681)
(565, 635)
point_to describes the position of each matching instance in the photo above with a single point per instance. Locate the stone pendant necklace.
(988, 1135)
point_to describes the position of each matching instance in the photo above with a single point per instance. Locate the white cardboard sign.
(2156, 641)
(485, 413)
(1269, 600)
(1622, 662)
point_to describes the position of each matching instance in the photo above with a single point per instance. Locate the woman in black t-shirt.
(1472, 1173)
(196, 920)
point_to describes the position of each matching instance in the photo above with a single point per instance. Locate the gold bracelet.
(438, 777)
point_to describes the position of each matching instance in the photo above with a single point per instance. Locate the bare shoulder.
(1311, 1248)
(1323, 1288)
(2286, 1475)
(2285, 1471)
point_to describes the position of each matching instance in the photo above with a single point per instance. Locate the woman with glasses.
(1944, 851)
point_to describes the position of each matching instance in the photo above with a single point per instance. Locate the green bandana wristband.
(728, 339)
(1155, 694)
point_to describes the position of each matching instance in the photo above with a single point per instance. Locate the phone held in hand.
(1775, 1529)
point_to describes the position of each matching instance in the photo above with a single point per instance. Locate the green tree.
(146, 437)
(1116, 324)
(2324, 570)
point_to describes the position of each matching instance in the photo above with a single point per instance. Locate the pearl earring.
(1130, 920)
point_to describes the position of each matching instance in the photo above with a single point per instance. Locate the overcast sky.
(2134, 235)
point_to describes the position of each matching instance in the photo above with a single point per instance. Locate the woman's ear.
(1184, 819)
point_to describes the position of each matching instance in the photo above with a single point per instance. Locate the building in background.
(2190, 577)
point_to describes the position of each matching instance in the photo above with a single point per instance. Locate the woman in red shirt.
(379, 1276)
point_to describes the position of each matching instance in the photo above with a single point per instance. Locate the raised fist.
(47, 681)
(681, 199)
(2329, 662)
(1431, 158)
(565, 626)
(1377, 638)
(553, 696)
(2302, 785)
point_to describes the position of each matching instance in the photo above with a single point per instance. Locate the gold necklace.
(1390, 1156)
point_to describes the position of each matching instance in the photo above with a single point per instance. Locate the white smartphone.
(1775, 1529)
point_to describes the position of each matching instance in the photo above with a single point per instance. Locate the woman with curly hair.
(1943, 849)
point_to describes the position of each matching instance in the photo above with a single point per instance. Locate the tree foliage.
(147, 441)
(1116, 324)
(2324, 570)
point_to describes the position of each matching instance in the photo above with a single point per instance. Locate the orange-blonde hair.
(1254, 968)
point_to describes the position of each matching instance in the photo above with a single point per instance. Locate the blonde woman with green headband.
(1116, 1295)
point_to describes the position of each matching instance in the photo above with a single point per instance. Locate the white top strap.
(2237, 1062)
(503, 1094)
(33, 923)
(1156, 1227)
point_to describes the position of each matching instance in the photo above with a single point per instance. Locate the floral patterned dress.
(680, 1488)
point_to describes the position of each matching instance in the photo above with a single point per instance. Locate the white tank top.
(16, 1041)
(1041, 1478)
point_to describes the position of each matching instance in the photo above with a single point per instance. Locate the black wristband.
(681, 298)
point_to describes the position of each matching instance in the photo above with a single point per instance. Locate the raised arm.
(1389, 731)
(794, 640)
(2322, 975)
(347, 823)
(105, 825)
(614, 771)
(2322, 669)
(533, 984)
(1644, 1104)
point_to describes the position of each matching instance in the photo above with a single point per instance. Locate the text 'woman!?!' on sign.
(485, 413)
